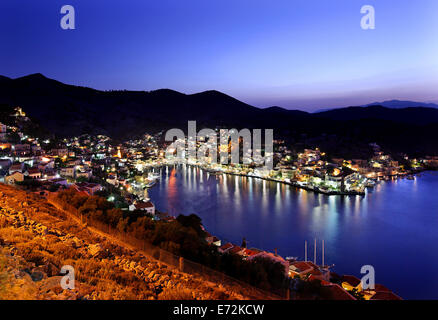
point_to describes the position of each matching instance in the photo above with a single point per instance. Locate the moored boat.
(153, 176)
(370, 183)
(150, 183)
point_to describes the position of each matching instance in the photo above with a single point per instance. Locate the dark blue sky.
(306, 54)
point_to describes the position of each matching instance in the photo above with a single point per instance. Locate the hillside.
(36, 240)
(67, 110)
(71, 110)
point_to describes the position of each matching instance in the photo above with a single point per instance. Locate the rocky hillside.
(36, 240)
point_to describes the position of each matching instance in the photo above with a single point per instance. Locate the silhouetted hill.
(68, 110)
(73, 110)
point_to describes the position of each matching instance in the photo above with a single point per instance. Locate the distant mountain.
(68, 110)
(398, 104)
(411, 115)
(393, 104)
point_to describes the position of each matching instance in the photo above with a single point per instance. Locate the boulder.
(37, 275)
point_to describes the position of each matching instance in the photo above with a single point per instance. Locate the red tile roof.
(251, 252)
(226, 246)
(87, 185)
(312, 264)
(316, 272)
(323, 282)
(235, 249)
(335, 292)
(303, 265)
(143, 205)
(352, 280)
(33, 170)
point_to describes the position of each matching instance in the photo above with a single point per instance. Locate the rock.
(49, 268)
(84, 252)
(38, 276)
(156, 277)
(77, 243)
(43, 230)
(50, 283)
(22, 274)
(94, 249)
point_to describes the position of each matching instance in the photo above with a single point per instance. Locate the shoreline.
(307, 188)
(296, 185)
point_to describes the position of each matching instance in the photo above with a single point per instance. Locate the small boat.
(322, 189)
(150, 183)
(153, 176)
(411, 177)
(292, 259)
(370, 183)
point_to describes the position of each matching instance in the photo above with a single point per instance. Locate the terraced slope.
(36, 240)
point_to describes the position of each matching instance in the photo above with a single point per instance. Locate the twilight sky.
(298, 54)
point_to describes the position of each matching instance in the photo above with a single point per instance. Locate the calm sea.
(394, 227)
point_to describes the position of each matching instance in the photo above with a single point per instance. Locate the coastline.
(296, 185)
(293, 184)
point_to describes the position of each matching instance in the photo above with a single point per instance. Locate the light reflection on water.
(392, 227)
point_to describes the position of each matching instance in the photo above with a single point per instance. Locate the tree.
(191, 221)
(122, 225)
(113, 216)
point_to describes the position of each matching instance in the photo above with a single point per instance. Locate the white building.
(148, 207)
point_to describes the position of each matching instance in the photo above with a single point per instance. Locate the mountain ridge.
(400, 104)
(68, 110)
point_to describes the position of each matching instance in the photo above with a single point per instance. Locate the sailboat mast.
(305, 250)
(323, 253)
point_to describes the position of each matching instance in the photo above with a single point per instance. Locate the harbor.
(398, 217)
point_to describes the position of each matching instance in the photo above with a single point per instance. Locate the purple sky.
(293, 53)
